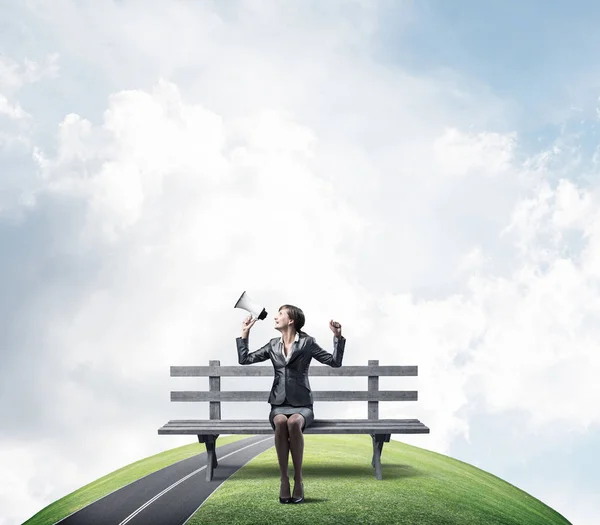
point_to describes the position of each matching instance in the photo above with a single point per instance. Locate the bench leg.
(211, 454)
(378, 440)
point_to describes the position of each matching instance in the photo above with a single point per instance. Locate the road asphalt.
(171, 495)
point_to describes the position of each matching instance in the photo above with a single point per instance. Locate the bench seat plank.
(319, 426)
(265, 421)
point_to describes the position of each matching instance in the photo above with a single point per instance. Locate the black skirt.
(287, 410)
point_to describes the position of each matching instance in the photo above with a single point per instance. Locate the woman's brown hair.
(296, 315)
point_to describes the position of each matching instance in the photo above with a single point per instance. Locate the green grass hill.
(418, 487)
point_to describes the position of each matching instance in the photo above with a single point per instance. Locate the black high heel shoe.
(301, 498)
(284, 500)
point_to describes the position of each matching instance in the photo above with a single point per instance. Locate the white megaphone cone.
(245, 303)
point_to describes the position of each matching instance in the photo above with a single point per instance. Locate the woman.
(291, 398)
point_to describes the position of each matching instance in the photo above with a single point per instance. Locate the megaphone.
(245, 303)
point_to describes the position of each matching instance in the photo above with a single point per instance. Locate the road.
(171, 495)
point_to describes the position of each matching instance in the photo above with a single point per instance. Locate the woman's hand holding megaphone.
(246, 325)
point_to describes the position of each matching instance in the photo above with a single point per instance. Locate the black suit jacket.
(291, 378)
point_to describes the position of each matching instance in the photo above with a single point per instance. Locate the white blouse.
(287, 358)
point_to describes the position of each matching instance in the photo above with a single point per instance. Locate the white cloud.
(27, 474)
(573, 206)
(12, 111)
(16, 131)
(457, 153)
(13, 76)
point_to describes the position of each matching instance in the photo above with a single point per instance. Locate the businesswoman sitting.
(291, 398)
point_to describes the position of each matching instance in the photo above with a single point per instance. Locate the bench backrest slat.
(373, 386)
(214, 385)
(318, 370)
(318, 395)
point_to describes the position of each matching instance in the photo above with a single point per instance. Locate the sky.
(425, 173)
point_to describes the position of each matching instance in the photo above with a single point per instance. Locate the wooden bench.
(209, 430)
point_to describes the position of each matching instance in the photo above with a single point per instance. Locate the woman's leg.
(282, 445)
(294, 425)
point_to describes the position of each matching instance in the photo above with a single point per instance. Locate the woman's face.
(282, 319)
